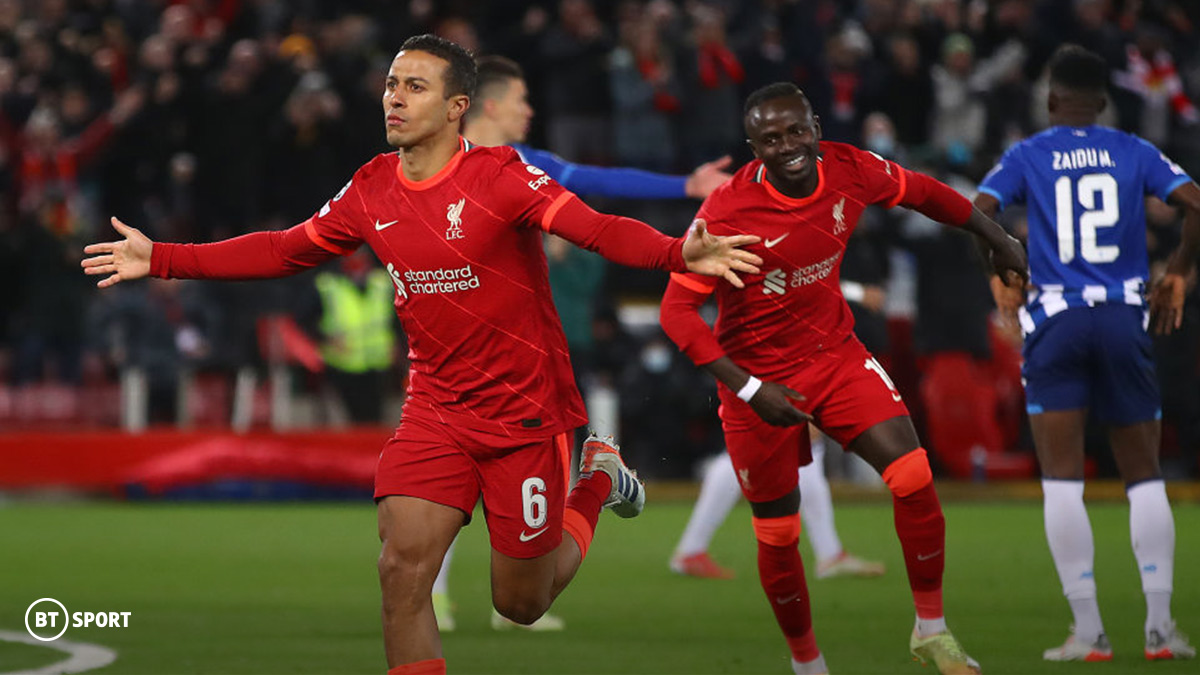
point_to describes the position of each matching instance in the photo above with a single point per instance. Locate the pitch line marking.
(82, 656)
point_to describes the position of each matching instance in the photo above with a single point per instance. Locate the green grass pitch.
(292, 589)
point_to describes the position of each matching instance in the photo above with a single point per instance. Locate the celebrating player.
(1086, 346)
(491, 397)
(783, 353)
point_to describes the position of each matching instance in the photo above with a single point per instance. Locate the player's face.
(784, 135)
(415, 107)
(513, 112)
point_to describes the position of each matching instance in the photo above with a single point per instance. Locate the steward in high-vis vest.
(358, 335)
(356, 321)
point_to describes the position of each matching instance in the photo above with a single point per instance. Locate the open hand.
(707, 177)
(716, 256)
(774, 403)
(120, 260)
(1009, 300)
(1166, 303)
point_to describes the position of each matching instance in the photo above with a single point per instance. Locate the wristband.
(749, 389)
(853, 291)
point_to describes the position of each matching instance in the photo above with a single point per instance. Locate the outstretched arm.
(940, 202)
(633, 243)
(260, 255)
(1008, 298)
(1166, 300)
(627, 183)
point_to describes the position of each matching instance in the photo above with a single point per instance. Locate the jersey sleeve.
(528, 195)
(603, 181)
(883, 181)
(258, 255)
(1006, 180)
(1161, 175)
(681, 320)
(337, 226)
(679, 314)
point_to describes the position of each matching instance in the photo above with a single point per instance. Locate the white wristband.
(749, 389)
(854, 291)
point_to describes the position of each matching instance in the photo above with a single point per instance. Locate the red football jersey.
(794, 308)
(464, 250)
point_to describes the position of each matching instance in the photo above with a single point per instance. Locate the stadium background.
(206, 119)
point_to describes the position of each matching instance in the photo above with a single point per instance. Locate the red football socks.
(583, 508)
(781, 573)
(426, 667)
(921, 528)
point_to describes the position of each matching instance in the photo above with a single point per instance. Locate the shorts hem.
(547, 545)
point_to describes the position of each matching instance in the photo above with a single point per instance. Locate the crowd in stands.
(202, 119)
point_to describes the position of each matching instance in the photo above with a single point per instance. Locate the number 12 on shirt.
(1098, 212)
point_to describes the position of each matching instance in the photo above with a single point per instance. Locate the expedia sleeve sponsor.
(444, 280)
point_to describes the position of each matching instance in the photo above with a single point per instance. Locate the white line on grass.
(82, 656)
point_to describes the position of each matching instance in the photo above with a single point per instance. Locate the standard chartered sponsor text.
(814, 272)
(443, 280)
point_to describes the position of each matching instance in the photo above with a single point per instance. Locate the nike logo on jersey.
(923, 558)
(770, 243)
(383, 226)
(524, 536)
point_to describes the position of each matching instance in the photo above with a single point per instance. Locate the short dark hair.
(1076, 68)
(496, 69)
(460, 74)
(494, 75)
(771, 91)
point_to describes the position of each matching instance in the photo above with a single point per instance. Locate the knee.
(406, 574)
(908, 473)
(521, 608)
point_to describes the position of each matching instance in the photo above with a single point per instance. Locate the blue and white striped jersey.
(1085, 189)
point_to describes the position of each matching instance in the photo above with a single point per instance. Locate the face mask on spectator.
(656, 358)
(881, 144)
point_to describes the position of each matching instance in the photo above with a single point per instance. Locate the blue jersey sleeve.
(1162, 175)
(1006, 180)
(601, 181)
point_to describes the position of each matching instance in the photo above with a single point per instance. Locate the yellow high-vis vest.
(357, 323)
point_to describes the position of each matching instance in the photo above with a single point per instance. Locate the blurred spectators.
(197, 120)
(646, 95)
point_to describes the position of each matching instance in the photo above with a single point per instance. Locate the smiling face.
(784, 134)
(415, 106)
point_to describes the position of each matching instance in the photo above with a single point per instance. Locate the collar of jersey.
(436, 178)
(801, 201)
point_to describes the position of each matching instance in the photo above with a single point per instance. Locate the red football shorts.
(523, 483)
(846, 392)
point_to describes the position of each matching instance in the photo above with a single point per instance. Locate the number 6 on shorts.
(533, 502)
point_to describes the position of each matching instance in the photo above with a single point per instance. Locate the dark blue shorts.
(1093, 357)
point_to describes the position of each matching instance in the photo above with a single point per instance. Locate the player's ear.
(817, 126)
(753, 148)
(458, 107)
(1102, 104)
(1052, 102)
